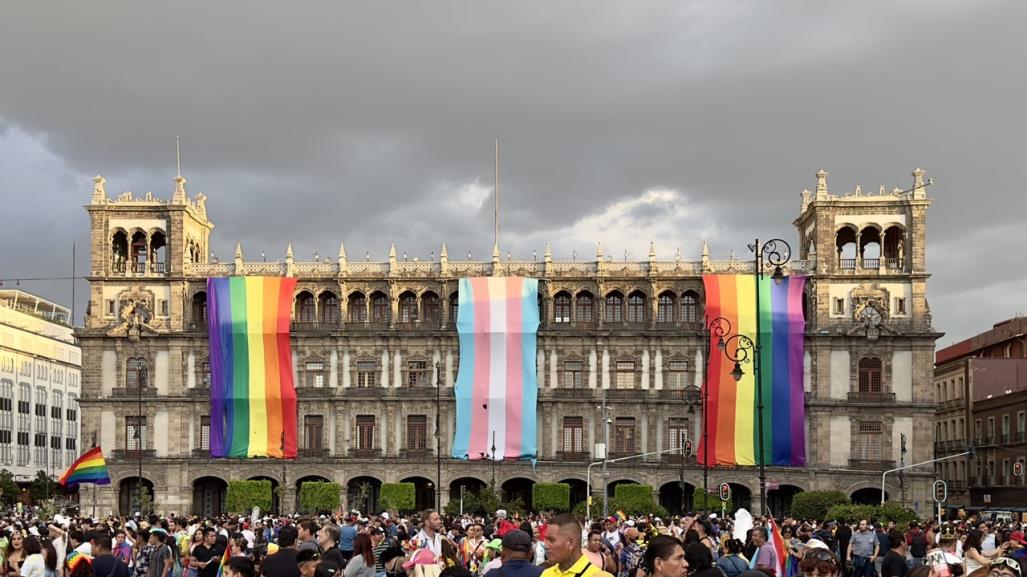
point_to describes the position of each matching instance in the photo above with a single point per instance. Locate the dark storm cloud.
(373, 123)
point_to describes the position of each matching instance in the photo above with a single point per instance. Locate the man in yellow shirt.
(563, 550)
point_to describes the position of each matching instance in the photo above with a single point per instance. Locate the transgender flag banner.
(496, 387)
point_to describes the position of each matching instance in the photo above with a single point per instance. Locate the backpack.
(918, 545)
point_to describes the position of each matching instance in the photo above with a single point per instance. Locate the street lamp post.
(143, 375)
(718, 327)
(606, 452)
(775, 253)
(438, 436)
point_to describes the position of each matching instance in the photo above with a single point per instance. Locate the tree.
(551, 497)
(319, 497)
(9, 490)
(43, 487)
(398, 497)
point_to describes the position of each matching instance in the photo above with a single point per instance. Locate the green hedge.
(633, 499)
(620, 505)
(883, 513)
(243, 496)
(319, 497)
(816, 504)
(551, 497)
(398, 496)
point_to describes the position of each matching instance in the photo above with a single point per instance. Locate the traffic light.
(725, 492)
(1018, 469)
(688, 448)
(941, 491)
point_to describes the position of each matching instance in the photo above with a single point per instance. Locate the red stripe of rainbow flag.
(731, 406)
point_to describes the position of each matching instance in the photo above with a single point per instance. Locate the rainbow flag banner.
(89, 468)
(252, 394)
(496, 386)
(731, 406)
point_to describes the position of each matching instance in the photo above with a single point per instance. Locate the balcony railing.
(625, 325)
(426, 325)
(571, 326)
(314, 392)
(673, 459)
(871, 465)
(319, 327)
(573, 456)
(871, 263)
(626, 393)
(364, 392)
(201, 453)
(871, 397)
(132, 454)
(847, 264)
(199, 391)
(949, 446)
(315, 453)
(131, 393)
(416, 453)
(365, 453)
(566, 393)
(373, 326)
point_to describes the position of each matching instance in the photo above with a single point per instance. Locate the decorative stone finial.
(805, 194)
(918, 184)
(444, 260)
(99, 192)
(599, 251)
(342, 252)
(652, 251)
(821, 184)
(288, 253)
(238, 251)
(392, 252)
(705, 256)
(179, 196)
(548, 256)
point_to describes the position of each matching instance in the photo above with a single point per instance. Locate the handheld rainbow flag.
(252, 395)
(496, 386)
(731, 405)
(89, 468)
(224, 561)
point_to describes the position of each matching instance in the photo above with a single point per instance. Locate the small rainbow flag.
(496, 386)
(252, 394)
(89, 468)
(224, 561)
(732, 406)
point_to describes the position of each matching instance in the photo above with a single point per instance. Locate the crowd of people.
(503, 545)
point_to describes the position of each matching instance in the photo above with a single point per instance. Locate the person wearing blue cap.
(516, 557)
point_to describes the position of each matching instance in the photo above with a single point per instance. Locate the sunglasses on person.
(818, 554)
(1006, 562)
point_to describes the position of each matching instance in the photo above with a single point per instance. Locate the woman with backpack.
(733, 563)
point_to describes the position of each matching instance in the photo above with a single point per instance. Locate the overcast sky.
(620, 122)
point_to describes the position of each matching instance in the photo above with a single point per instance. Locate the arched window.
(158, 252)
(584, 308)
(665, 308)
(845, 245)
(636, 307)
(137, 374)
(407, 307)
(614, 308)
(138, 252)
(200, 310)
(305, 309)
(431, 309)
(329, 308)
(870, 375)
(379, 308)
(689, 307)
(562, 308)
(454, 306)
(357, 308)
(119, 251)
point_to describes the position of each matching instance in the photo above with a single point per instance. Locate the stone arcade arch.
(579, 491)
(779, 500)
(424, 492)
(470, 485)
(209, 496)
(518, 488)
(868, 496)
(671, 497)
(128, 494)
(276, 504)
(363, 493)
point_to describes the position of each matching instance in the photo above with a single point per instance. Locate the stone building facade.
(375, 355)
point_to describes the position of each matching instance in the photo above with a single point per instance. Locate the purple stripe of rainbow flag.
(496, 386)
(252, 394)
(731, 407)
